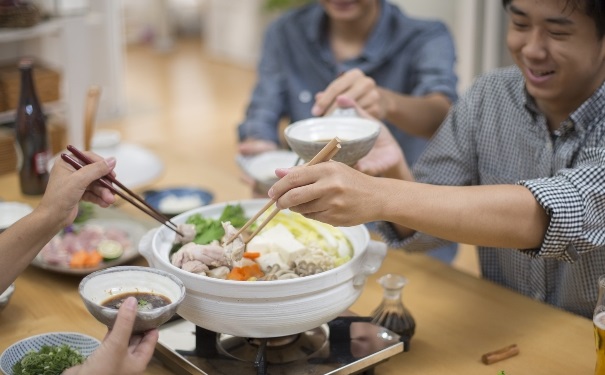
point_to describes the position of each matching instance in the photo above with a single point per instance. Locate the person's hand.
(255, 146)
(66, 187)
(120, 353)
(355, 85)
(330, 192)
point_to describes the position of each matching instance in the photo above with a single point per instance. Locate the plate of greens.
(47, 354)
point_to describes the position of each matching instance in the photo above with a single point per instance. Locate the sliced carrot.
(251, 255)
(245, 273)
(78, 259)
(93, 259)
(236, 273)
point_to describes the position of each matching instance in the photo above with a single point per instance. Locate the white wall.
(477, 27)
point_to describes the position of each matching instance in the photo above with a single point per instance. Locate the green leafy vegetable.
(49, 360)
(234, 214)
(501, 372)
(209, 230)
(86, 211)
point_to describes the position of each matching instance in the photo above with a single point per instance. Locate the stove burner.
(346, 345)
(279, 350)
(275, 342)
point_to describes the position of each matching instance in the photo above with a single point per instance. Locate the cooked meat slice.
(234, 251)
(212, 255)
(188, 231)
(195, 266)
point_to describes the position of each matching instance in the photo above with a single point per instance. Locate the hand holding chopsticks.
(107, 181)
(325, 154)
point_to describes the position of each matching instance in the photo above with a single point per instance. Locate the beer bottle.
(31, 139)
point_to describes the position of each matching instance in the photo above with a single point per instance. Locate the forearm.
(21, 242)
(417, 115)
(495, 216)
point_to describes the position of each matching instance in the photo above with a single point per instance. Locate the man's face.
(558, 50)
(348, 10)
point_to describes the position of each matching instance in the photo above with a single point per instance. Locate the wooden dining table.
(458, 316)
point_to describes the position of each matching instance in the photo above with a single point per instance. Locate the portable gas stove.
(346, 345)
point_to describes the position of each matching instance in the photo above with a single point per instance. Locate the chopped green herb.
(501, 372)
(49, 360)
(142, 303)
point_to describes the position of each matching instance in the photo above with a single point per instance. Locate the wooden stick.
(500, 354)
(92, 103)
(325, 154)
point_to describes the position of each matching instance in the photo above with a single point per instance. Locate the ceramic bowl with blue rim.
(84, 344)
(174, 201)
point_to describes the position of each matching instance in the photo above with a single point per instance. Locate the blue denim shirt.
(403, 54)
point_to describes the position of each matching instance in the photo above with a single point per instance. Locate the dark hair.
(595, 9)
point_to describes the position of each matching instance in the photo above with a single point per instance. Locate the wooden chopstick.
(325, 154)
(92, 103)
(80, 155)
(157, 216)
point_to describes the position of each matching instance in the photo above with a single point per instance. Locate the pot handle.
(146, 246)
(371, 261)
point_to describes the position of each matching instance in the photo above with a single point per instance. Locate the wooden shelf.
(41, 29)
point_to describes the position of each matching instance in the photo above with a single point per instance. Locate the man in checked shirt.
(517, 168)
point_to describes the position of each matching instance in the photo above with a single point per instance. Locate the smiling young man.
(531, 141)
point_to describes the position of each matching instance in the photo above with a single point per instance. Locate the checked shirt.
(496, 135)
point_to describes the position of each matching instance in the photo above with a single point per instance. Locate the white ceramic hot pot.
(266, 308)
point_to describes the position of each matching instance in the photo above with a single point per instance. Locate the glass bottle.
(598, 321)
(31, 137)
(391, 314)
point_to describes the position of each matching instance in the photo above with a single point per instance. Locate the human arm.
(502, 215)
(498, 216)
(22, 241)
(120, 353)
(417, 115)
(432, 86)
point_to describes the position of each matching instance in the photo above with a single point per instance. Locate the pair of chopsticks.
(107, 181)
(326, 153)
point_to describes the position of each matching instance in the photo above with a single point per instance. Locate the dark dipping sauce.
(145, 301)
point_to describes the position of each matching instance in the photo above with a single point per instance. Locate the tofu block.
(266, 261)
(259, 244)
(277, 240)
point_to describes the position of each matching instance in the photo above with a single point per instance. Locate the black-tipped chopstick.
(154, 214)
(325, 154)
(80, 155)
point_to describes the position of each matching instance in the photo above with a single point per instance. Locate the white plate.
(10, 212)
(135, 232)
(136, 166)
(262, 167)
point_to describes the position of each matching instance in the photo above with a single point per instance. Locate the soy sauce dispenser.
(391, 313)
(31, 137)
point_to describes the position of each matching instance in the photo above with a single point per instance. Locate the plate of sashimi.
(90, 246)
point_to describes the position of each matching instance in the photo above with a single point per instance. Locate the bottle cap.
(26, 62)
